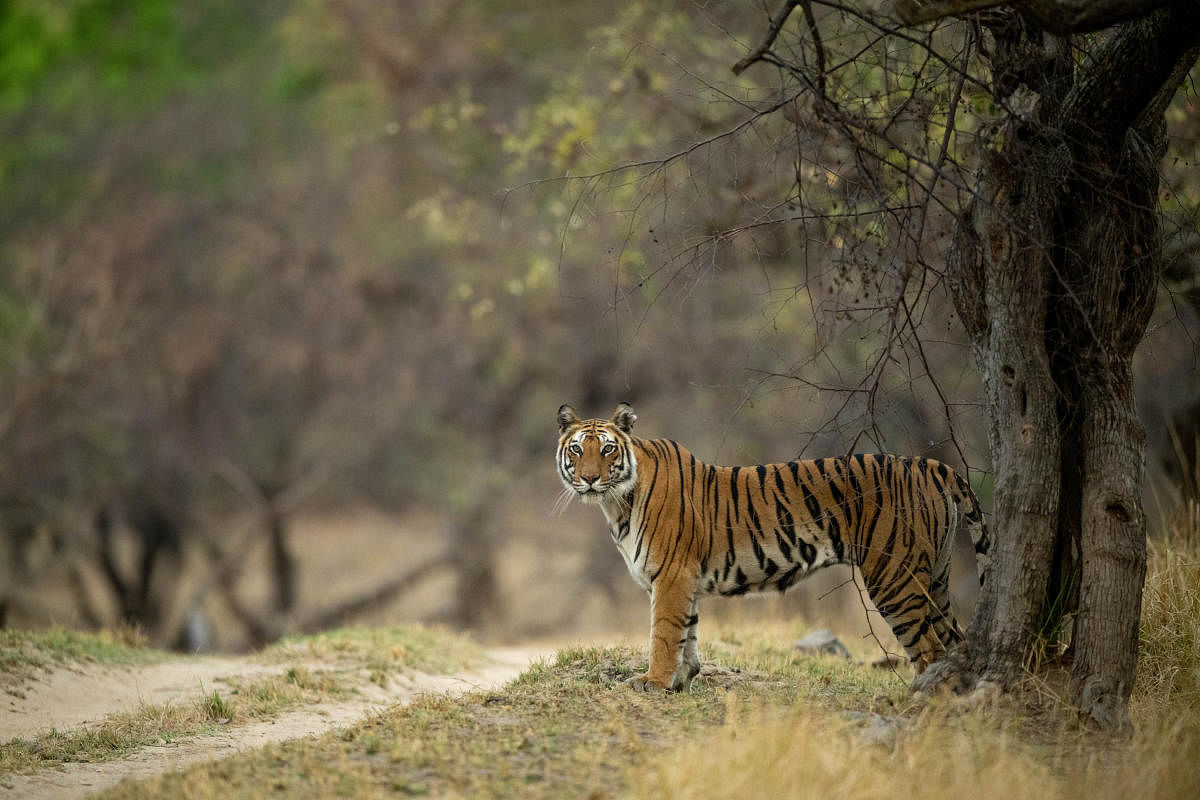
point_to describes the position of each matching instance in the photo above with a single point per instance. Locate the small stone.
(822, 643)
(876, 729)
(888, 661)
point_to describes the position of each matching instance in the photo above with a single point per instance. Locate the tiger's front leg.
(688, 666)
(674, 657)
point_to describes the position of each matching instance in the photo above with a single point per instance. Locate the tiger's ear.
(566, 417)
(624, 417)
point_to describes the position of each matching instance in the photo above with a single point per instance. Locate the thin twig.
(777, 21)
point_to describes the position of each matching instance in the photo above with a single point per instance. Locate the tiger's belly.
(761, 567)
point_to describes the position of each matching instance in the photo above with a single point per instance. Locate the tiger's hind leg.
(942, 631)
(918, 612)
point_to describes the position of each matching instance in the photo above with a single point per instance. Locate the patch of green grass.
(152, 723)
(24, 654)
(266, 697)
(384, 651)
(215, 708)
(564, 728)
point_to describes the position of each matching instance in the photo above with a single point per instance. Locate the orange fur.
(687, 528)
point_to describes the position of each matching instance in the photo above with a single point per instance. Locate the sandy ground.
(70, 698)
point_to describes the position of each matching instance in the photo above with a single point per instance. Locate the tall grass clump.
(948, 751)
(1169, 660)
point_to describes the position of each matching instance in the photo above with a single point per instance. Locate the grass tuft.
(215, 709)
(1169, 655)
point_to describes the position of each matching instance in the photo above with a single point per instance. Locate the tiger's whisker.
(561, 503)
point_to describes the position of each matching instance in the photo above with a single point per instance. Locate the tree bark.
(1000, 248)
(1056, 16)
(1111, 266)
(1063, 239)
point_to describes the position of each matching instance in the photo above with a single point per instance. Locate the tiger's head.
(595, 456)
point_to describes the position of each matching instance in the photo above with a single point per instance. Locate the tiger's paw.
(642, 683)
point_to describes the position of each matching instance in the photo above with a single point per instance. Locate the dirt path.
(78, 697)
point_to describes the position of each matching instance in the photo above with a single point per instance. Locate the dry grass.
(568, 728)
(997, 752)
(1169, 659)
(384, 651)
(946, 755)
(774, 725)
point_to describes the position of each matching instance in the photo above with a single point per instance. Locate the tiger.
(686, 529)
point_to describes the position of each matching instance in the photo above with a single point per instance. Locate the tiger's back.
(687, 528)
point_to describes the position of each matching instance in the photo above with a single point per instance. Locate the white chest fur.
(623, 525)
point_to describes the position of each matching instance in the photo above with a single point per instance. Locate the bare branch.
(915, 12)
(1133, 77)
(777, 21)
(373, 598)
(819, 47)
(1060, 17)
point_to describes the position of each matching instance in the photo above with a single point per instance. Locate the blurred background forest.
(290, 292)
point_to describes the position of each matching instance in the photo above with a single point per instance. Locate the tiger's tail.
(976, 526)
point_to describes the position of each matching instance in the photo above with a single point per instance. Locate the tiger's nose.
(589, 479)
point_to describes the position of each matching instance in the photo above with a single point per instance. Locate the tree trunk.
(1002, 277)
(283, 563)
(1063, 241)
(474, 560)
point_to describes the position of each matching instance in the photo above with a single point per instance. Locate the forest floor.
(78, 722)
(407, 711)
